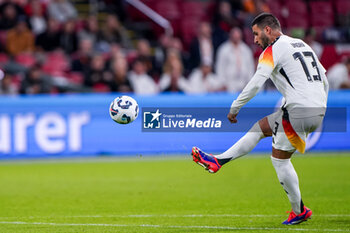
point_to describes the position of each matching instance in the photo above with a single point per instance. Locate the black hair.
(266, 19)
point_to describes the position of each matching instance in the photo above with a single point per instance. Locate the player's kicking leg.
(209, 162)
(242, 147)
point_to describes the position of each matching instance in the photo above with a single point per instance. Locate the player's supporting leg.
(243, 146)
(288, 178)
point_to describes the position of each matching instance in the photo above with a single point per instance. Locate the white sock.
(289, 180)
(244, 145)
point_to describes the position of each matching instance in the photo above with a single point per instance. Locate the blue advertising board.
(79, 125)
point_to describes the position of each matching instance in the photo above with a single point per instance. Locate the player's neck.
(275, 35)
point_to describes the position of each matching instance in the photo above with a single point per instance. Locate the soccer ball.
(124, 109)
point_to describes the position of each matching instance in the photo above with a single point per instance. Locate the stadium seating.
(342, 8)
(277, 8)
(188, 29)
(297, 14)
(3, 35)
(56, 63)
(168, 9)
(26, 59)
(322, 15)
(17, 80)
(193, 12)
(75, 77)
(194, 9)
(329, 56)
(3, 58)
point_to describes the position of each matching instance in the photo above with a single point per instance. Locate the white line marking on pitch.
(172, 216)
(199, 215)
(180, 227)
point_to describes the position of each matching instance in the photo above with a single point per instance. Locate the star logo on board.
(156, 115)
(151, 120)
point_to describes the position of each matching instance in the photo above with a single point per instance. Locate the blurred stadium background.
(62, 63)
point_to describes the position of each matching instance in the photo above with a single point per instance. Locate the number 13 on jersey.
(304, 57)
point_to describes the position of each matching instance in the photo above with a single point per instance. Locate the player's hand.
(232, 117)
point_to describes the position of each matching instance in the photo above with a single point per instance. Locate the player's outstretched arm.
(250, 90)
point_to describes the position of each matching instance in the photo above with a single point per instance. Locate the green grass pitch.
(170, 194)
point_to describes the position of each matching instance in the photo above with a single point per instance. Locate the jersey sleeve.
(266, 62)
(265, 67)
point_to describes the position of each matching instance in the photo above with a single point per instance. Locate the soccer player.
(297, 73)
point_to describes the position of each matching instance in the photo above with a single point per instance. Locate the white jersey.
(297, 73)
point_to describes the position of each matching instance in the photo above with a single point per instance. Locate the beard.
(264, 41)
